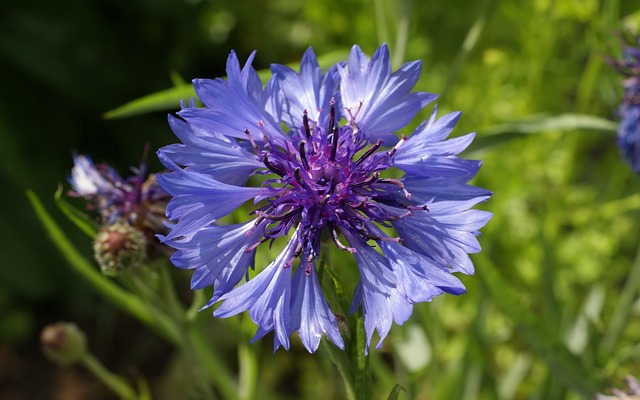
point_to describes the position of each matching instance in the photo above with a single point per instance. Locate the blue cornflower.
(138, 199)
(323, 141)
(629, 111)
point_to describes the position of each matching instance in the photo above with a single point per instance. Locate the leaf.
(499, 134)
(562, 363)
(396, 391)
(80, 219)
(105, 287)
(622, 310)
(169, 99)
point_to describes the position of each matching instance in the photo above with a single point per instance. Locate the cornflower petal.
(218, 254)
(137, 199)
(85, 179)
(267, 297)
(421, 278)
(383, 301)
(381, 100)
(324, 178)
(216, 157)
(426, 153)
(441, 190)
(309, 90)
(446, 233)
(310, 313)
(235, 105)
(198, 200)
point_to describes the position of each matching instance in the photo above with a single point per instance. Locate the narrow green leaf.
(339, 359)
(177, 79)
(499, 134)
(109, 290)
(169, 99)
(470, 42)
(563, 364)
(395, 392)
(80, 219)
(361, 365)
(621, 313)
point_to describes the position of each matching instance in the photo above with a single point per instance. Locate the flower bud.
(118, 247)
(63, 343)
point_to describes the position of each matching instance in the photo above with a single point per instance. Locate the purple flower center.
(329, 178)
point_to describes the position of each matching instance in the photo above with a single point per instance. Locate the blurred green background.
(552, 312)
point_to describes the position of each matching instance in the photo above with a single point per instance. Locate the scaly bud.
(63, 343)
(118, 247)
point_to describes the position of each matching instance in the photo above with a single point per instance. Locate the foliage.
(552, 310)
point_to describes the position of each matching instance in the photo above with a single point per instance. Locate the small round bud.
(63, 343)
(118, 247)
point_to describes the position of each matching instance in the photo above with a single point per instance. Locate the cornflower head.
(138, 199)
(322, 142)
(629, 128)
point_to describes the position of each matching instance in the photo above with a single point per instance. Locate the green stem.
(361, 366)
(199, 300)
(248, 371)
(381, 24)
(622, 310)
(105, 287)
(468, 45)
(209, 360)
(341, 362)
(402, 33)
(114, 382)
(248, 361)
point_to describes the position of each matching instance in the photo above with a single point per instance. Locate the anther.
(369, 152)
(273, 168)
(333, 129)
(303, 154)
(305, 123)
(368, 181)
(423, 208)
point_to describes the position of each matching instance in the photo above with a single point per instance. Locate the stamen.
(336, 240)
(272, 167)
(367, 181)
(298, 250)
(391, 239)
(369, 152)
(252, 247)
(280, 217)
(352, 117)
(303, 154)
(397, 146)
(253, 143)
(398, 183)
(305, 123)
(333, 130)
(397, 217)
